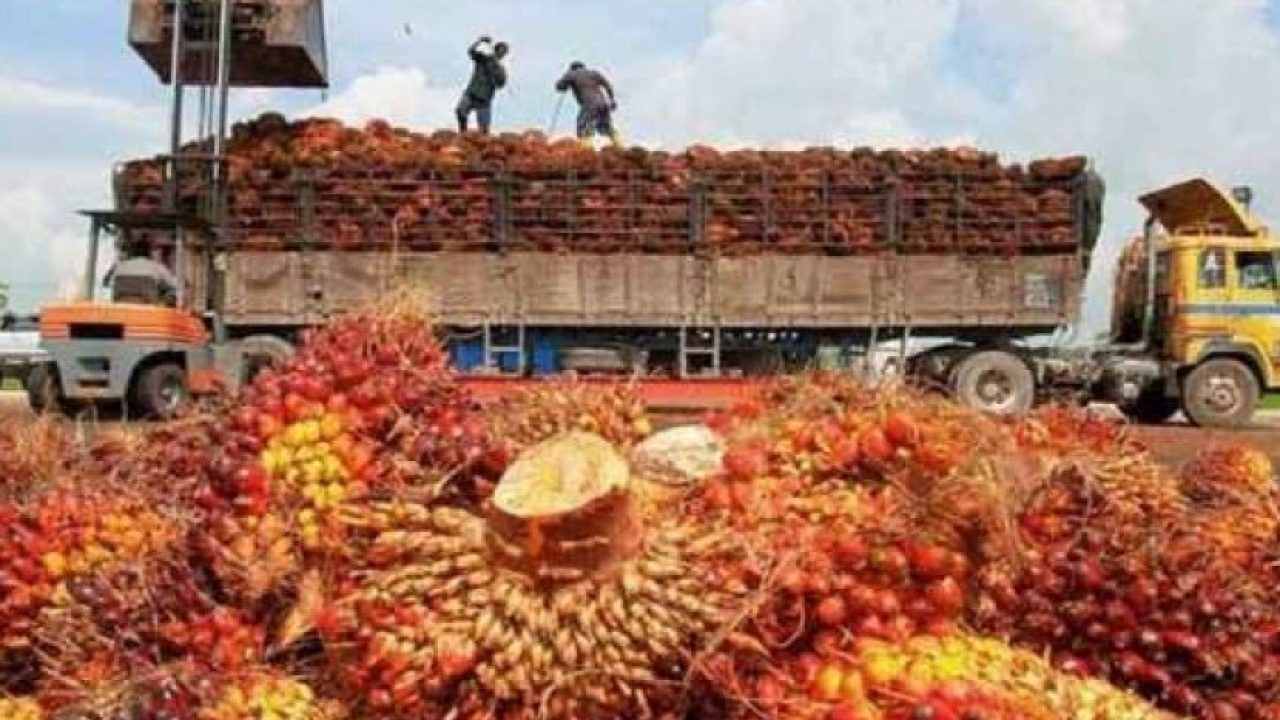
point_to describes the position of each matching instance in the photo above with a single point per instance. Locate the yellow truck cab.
(1215, 319)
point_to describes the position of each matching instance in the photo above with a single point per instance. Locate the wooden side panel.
(935, 288)
(449, 282)
(847, 289)
(741, 290)
(779, 291)
(606, 285)
(793, 286)
(194, 278)
(263, 286)
(658, 282)
(501, 283)
(349, 280)
(889, 278)
(993, 285)
(551, 284)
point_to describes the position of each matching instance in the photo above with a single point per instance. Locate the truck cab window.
(1213, 269)
(1256, 271)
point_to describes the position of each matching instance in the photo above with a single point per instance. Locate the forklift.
(138, 347)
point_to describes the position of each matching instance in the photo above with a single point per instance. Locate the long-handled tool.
(555, 116)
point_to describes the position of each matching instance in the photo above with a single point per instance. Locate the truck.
(19, 348)
(706, 272)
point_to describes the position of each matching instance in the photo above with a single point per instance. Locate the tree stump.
(563, 511)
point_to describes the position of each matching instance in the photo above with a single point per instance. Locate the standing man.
(487, 77)
(596, 102)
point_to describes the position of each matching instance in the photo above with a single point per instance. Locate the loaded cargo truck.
(688, 270)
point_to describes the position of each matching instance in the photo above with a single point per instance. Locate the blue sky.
(1153, 90)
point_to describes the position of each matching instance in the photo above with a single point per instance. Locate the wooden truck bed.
(630, 290)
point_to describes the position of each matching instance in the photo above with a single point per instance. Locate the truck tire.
(160, 392)
(259, 352)
(1220, 393)
(44, 391)
(1152, 407)
(995, 382)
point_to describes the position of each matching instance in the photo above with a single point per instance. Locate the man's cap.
(577, 65)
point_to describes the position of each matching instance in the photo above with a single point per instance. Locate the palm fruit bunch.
(954, 677)
(1064, 431)
(829, 432)
(527, 417)
(20, 709)
(32, 454)
(847, 582)
(366, 408)
(60, 536)
(1237, 510)
(1143, 609)
(267, 695)
(964, 676)
(251, 555)
(106, 641)
(1228, 473)
(222, 639)
(557, 600)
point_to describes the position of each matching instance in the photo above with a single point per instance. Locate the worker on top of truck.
(596, 102)
(142, 278)
(488, 76)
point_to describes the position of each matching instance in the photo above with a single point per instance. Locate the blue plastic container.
(546, 357)
(467, 355)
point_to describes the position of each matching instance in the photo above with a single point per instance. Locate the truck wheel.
(1152, 407)
(259, 352)
(995, 382)
(44, 392)
(161, 392)
(1220, 393)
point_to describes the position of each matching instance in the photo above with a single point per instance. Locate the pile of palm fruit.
(355, 537)
(323, 184)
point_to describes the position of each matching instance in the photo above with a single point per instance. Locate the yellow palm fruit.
(313, 471)
(268, 460)
(20, 709)
(334, 470)
(77, 564)
(55, 563)
(331, 426)
(98, 555)
(295, 436)
(310, 430)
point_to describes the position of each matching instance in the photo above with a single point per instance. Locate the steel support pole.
(217, 281)
(224, 78)
(91, 263)
(180, 265)
(175, 134)
(175, 76)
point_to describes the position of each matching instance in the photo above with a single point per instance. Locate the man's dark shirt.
(590, 88)
(488, 76)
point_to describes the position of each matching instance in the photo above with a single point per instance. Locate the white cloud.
(401, 95)
(44, 240)
(20, 96)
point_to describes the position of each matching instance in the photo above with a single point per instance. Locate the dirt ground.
(1176, 443)
(1173, 443)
